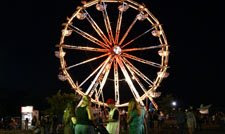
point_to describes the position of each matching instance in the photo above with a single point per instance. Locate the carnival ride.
(106, 43)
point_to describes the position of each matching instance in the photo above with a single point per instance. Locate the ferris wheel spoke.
(101, 80)
(88, 36)
(97, 29)
(144, 48)
(116, 83)
(150, 98)
(97, 76)
(118, 26)
(142, 60)
(86, 61)
(138, 72)
(84, 48)
(106, 74)
(146, 93)
(135, 77)
(91, 74)
(137, 37)
(129, 81)
(128, 30)
(107, 24)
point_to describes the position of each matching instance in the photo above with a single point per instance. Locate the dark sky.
(31, 29)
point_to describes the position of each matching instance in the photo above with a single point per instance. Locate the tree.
(165, 103)
(59, 101)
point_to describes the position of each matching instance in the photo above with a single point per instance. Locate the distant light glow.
(174, 103)
(204, 111)
(27, 109)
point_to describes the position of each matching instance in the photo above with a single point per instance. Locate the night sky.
(31, 29)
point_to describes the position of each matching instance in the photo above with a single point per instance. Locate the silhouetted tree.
(165, 103)
(59, 101)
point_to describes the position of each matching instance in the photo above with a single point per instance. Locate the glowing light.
(117, 50)
(163, 53)
(83, 2)
(115, 46)
(100, 7)
(141, 7)
(156, 33)
(142, 17)
(81, 16)
(62, 77)
(174, 103)
(66, 32)
(163, 74)
(27, 109)
(123, 7)
(59, 54)
(154, 94)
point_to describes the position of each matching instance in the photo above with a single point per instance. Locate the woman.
(134, 118)
(84, 117)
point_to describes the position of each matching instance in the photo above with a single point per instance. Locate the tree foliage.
(165, 103)
(59, 101)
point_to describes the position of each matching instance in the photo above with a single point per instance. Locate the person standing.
(191, 121)
(180, 119)
(134, 118)
(113, 118)
(26, 123)
(84, 117)
(68, 114)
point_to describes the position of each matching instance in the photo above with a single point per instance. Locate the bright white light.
(27, 109)
(174, 103)
(117, 50)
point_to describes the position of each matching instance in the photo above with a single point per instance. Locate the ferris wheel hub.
(117, 50)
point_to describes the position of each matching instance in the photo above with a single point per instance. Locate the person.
(68, 114)
(134, 118)
(191, 121)
(113, 118)
(26, 123)
(34, 121)
(84, 117)
(144, 115)
(180, 119)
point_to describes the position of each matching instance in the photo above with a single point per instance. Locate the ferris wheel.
(113, 48)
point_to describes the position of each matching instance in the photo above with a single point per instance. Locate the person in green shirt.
(135, 118)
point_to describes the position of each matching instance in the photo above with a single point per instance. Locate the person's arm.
(129, 118)
(90, 114)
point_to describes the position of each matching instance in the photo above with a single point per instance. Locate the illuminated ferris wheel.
(113, 48)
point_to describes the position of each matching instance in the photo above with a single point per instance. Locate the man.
(181, 119)
(113, 118)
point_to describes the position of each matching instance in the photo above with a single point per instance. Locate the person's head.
(86, 100)
(110, 102)
(134, 105)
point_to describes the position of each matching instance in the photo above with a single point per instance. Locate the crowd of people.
(135, 119)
